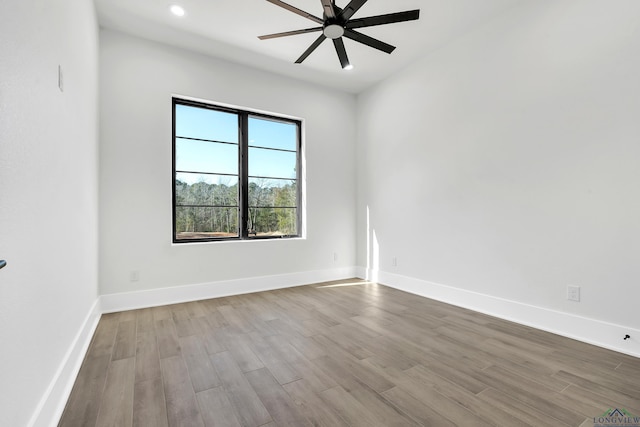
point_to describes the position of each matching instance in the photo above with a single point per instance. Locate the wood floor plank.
(383, 348)
(194, 309)
(116, 408)
(599, 357)
(311, 406)
(279, 368)
(580, 405)
(547, 380)
(167, 337)
(216, 319)
(596, 400)
(619, 396)
(248, 407)
(412, 353)
(386, 371)
(415, 409)
(161, 312)
(348, 408)
(182, 406)
(203, 376)
(262, 308)
(530, 392)
(445, 349)
(125, 345)
(235, 318)
(257, 324)
(147, 357)
(440, 403)
(183, 321)
(342, 368)
(452, 374)
(321, 314)
(149, 408)
(339, 336)
(628, 383)
(263, 328)
(313, 374)
(125, 316)
(629, 361)
(380, 408)
(305, 368)
(144, 321)
(308, 347)
(463, 396)
(239, 345)
(216, 409)
(277, 401)
(518, 409)
(375, 324)
(211, 336)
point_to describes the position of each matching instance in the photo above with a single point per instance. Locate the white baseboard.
(173, 295)
(591, 331)
(52, 404)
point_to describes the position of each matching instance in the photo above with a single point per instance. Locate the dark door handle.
(2, 263)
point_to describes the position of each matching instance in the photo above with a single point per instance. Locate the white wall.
(138, 78)
(48, 199)
(506, 165)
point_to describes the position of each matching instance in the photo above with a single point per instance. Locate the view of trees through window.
(236, 174)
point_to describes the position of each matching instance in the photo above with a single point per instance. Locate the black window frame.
(243, 170)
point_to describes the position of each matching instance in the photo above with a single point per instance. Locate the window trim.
(243, 168)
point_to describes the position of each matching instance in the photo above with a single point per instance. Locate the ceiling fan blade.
(290, 33)
(342, 52)
(409, 15)
(351, 8)
(329, 11)
(313, 47)
(297, 11)
(369, 41)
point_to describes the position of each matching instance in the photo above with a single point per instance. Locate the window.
(236, 174)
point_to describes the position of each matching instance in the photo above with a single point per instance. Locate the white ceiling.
(230, 29)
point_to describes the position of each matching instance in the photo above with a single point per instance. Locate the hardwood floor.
(347, 353)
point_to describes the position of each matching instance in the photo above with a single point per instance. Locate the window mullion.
(243, 179)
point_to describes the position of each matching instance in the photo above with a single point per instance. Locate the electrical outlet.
(335, 256)
(134, 276)
(394, 262)
(573, 293)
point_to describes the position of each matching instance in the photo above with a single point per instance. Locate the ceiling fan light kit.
(333, 31)
(336, 23)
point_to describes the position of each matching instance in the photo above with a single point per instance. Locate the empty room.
(319, 213)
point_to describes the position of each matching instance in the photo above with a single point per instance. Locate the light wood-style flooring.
(348, 353)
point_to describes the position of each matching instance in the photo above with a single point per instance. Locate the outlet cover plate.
(573, 293)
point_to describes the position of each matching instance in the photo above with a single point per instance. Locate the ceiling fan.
(337, 23)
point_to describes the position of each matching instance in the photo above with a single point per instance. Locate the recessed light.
(177, 10)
